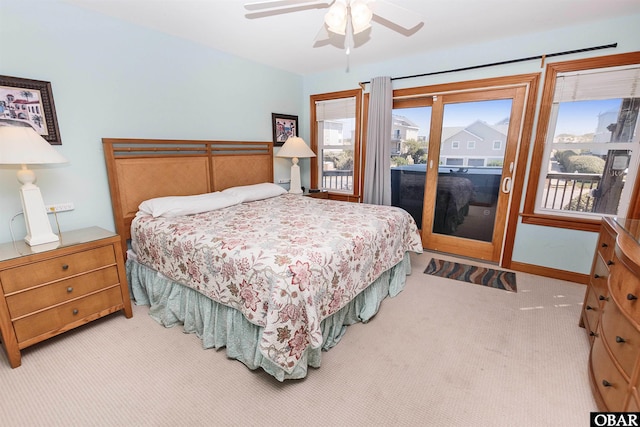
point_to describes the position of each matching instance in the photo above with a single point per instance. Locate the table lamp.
(295, 148)
(22, 145)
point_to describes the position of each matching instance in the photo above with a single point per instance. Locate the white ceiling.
(286, 41)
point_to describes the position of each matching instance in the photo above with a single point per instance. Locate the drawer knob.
(589, 307)
(603, 298)
(593, 334)
(631, 297)
(610, 262)
(596, 276)
(604, 245)
(69, 289)
(75, 311)
(606, 383)
(620, 340)
(65, 266)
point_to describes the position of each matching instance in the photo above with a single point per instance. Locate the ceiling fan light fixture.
(336, 17)
(361, 16)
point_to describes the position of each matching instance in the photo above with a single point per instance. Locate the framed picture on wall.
(29, 101)
(284, 126)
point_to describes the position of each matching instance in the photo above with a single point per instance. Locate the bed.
(273, 278)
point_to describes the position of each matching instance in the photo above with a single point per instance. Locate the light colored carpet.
(442, 353)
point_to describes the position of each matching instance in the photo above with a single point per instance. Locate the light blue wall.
(543, 246)
(111, 79)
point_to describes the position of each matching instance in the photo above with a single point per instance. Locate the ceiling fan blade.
(322, 35)
(273, 4)
(395, 14)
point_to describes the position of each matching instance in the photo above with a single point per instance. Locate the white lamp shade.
(22, 145)
(295, 147)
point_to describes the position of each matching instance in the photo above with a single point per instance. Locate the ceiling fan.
(344, 17)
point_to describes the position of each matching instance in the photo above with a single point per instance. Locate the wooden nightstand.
(318, 195)
(46, 293)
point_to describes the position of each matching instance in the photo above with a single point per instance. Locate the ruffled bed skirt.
(219, 326)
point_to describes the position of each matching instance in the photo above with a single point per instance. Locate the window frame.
(356, 194)
(529, 216)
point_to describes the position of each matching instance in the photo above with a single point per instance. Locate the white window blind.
(598, 84)
(336, 109)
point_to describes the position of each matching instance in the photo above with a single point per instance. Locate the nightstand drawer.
(66, 314)
(18, 278)
(26, 302)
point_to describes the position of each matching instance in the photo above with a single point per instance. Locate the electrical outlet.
(60, 207)
(284, 181)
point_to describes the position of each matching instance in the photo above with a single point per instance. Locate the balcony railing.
(570, 191)
(562, 191)
(339, 180)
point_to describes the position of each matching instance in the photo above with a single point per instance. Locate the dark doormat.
(498, 279)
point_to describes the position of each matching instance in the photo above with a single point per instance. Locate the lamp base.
(295, 187)
(35, 217)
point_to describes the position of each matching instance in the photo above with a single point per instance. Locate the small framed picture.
(284, 126)
(29, 101)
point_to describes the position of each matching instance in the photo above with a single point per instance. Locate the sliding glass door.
(453, 159)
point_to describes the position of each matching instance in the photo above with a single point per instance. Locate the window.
(497, 145)
(455, 145)
(586, 152)
(452, 161)
(471, 145)
(475, 162)
(335, 138)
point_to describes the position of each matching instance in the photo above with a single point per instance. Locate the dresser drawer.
(622, 338)
(599, 278)
(627, 290)
(611, 384)
(592, 311)
(55, 318)
(606, 245)
(35, 299)
(24, 277)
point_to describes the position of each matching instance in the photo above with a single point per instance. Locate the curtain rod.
(511, 61)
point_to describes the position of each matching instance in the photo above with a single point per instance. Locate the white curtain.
(377, 172)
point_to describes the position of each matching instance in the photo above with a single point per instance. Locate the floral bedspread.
(286, 263)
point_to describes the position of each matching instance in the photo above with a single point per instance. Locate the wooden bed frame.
(141, 169)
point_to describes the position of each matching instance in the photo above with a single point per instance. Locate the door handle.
(506, 184)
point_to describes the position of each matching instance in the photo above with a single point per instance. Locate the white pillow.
(187, 205)
(250, 193)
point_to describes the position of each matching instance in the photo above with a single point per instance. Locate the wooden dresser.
(46, 293)
(611, 316)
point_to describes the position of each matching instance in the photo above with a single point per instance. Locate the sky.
(461, 114)
(580, 117)
(576, 118)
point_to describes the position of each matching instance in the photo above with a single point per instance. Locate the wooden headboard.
(141, 169)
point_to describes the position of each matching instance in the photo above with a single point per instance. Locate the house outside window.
(455, 145)
(471, 145)
(497, 145)
(588, 151)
